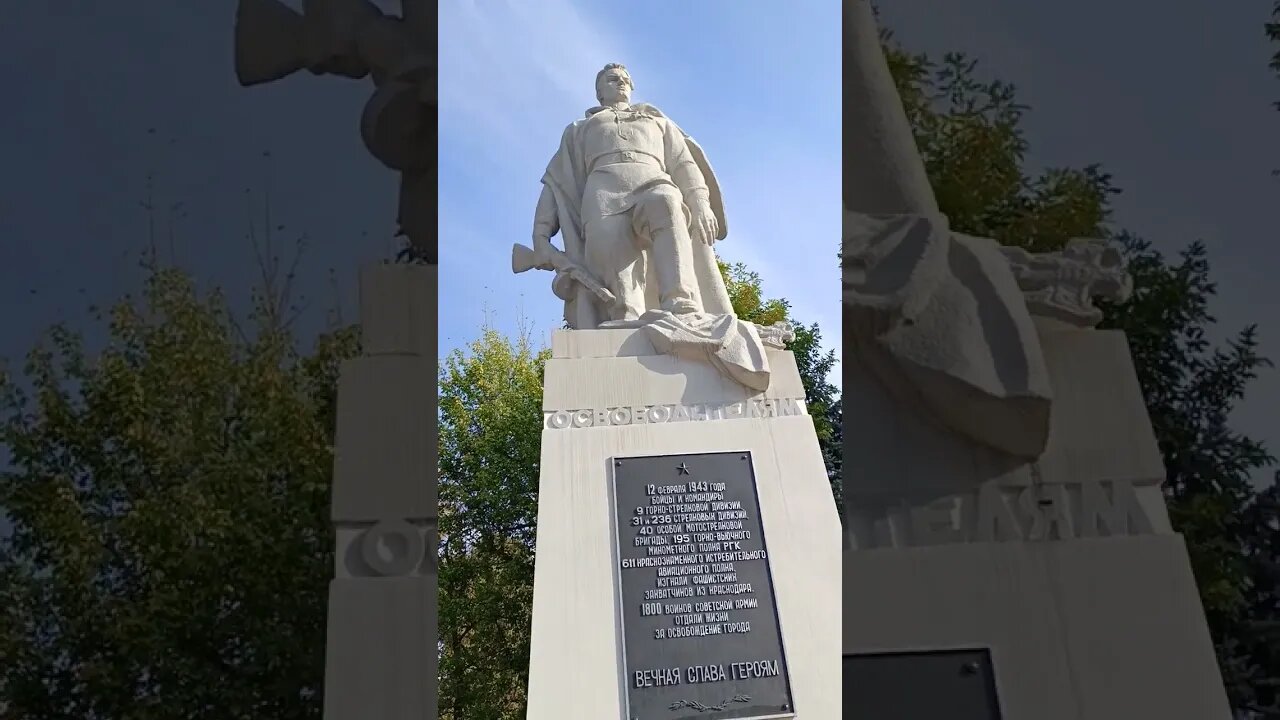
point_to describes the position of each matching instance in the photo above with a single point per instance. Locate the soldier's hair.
(607, 68)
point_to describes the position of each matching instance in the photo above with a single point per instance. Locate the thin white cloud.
(509, 69)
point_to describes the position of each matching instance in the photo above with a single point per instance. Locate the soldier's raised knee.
(661, 206)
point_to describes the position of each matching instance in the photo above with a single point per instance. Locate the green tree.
(490, 437)
(1191, 387)
(970, 136)
(1249, 637)
(169, 495)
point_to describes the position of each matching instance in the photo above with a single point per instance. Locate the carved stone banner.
(701, 637)
(673, 413)
(1013, 512)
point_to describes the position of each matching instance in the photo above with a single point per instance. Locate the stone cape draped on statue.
(715, 335)
(938, 319)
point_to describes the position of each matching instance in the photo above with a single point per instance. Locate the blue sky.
(760, 91)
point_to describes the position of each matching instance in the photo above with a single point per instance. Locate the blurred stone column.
(417, 215)
(382, 651)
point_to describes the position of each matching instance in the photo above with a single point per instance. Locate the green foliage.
(969, 135)
(169, 495)
(822, 399)
(1191, 388)
(745, 288)
(1230, 528)
(490, 434)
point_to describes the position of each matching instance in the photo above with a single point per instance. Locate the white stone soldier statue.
(637, 205)
(638, 209)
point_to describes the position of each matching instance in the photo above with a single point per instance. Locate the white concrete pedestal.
(381, 655)
(597, 384)
(1065, 570)
(1104, 629)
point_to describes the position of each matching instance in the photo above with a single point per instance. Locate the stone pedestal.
(1065, 573)
(381, 658)
(609, 396)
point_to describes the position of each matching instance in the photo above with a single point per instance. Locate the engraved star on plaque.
(682, 469)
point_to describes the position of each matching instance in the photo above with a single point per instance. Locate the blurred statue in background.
(354, 39)
(941, 319)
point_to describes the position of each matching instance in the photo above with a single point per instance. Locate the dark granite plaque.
(699, 625)
(961, 685)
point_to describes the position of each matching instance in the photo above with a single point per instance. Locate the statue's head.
(613, 84)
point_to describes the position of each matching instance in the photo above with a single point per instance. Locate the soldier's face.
(615, 86)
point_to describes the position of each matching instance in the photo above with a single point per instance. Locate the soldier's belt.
(626, 156)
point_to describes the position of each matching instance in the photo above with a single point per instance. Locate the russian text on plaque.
(700, 630)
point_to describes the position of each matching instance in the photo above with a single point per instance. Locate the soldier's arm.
(546, 217)
(682, 168)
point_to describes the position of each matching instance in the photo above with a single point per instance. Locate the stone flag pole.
(382, 645)
(1008, 550)
(883, 172)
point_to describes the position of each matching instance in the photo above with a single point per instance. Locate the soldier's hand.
(704, 224)
(542, 252)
